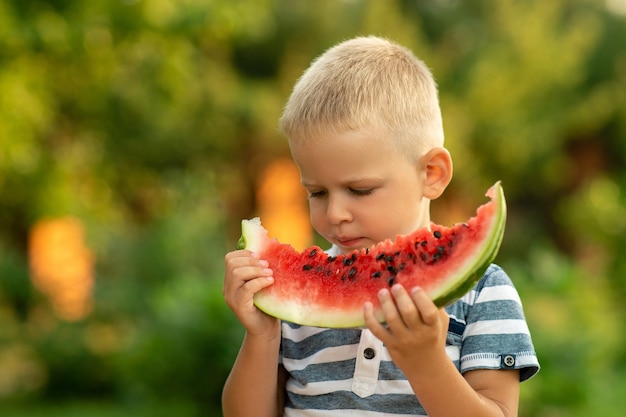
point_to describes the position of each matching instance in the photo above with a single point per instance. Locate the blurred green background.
(133, 134)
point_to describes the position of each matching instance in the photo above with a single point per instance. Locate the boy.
(364, 127)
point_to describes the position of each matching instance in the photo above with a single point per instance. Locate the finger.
(242, 258)
(236, 254)
(245, 265)
(373, 320)
(255, 285)
(428, 311)
(246, 273)
(244, 295)
(444, 318)
(390, 311)
(405, 306)
(241, 267)
(237, 278)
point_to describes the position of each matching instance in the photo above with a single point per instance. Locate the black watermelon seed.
(389, 258)
(307, 267)
(377, 274)
(367, 251)
(424, 256)
(331, 259)
(392, 269)
(437, 234)
(352, 273)
(380, 256)
(391, 281)
(424, 243)
(402, 266)
(312, 253)
(440, 250)
(348, 261)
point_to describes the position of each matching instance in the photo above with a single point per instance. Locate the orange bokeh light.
(282, 206)
(61, 266)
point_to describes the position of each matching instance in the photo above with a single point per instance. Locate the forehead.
(411, 143)
(346, 157)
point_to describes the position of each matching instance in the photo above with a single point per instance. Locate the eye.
(361, 192)
(317, 194)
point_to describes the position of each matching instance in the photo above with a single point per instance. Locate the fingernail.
(415, 290)
(368, 306)
(383, 293)
(268, 271)
(264, 263)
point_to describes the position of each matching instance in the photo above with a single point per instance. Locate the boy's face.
(361, 189)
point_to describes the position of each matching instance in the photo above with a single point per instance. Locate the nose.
(337, 210)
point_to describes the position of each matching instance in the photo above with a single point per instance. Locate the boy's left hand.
(416, 328)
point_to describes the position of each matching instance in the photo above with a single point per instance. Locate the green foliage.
(150, 120)
(574, 327)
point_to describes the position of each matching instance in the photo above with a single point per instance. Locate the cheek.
(316, 214)
(394, 216)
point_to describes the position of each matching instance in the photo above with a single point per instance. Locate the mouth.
(349, 242)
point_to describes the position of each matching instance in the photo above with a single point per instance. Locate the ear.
(436, 166)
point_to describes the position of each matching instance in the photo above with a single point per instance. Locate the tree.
(151, 121)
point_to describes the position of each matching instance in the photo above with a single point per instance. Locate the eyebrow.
(356, 180)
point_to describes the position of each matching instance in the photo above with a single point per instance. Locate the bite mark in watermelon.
(314, 289)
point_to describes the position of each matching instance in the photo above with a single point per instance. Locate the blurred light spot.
(62, 266)
(104, 339)
(21, 371)
(98, 38)
(616, 6)
(603, 193)
(282, 204)
(608, 210)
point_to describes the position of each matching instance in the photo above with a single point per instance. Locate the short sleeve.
(496, 335)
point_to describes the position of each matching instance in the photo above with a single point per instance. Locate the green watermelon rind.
(449, 295)
(252, 235)
(255, 237)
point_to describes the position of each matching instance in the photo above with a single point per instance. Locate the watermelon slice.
(314, 289)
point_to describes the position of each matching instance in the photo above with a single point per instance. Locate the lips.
(349, 242)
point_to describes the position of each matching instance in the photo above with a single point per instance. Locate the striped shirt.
(348, 372)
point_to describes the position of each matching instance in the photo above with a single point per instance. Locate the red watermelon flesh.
(315, 289)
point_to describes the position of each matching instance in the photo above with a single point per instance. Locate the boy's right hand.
(246, 275)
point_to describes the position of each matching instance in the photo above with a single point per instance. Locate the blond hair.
(366, 83)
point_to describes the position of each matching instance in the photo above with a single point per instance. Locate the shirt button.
(369, 353)
(509, 361)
